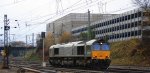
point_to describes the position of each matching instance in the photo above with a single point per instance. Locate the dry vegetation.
(129, 52)
(65, 37)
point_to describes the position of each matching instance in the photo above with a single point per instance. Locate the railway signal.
(43, 36)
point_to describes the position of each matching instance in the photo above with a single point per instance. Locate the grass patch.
(34, 57)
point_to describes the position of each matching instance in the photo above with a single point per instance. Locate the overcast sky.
(37, 13)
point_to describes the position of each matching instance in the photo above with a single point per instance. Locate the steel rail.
(36, 67)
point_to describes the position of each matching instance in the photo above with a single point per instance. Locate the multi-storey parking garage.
(124, 26)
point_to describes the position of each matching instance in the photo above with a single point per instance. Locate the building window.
(95, 26)
(139, 14)
(102, 31)
(126, 34)
(100, 24)
(112, 29)
(129, 34)
(132, 33)
(120, 19)
(136, 33)
(126, 18)
(117, 35)
(132, 24)
(110, 22)
(135, 24)
(129, 17)
(108, 30)
(117, 27)
(136, 15)
(104, 24)
(122, 26)
(107, 23)
(139, 22)
(112, 36)
(94, 32)
(98, 32)
(123, 18)
(123, 35)
(139, 32)
(132, 16)
(117, 20)
(105, 30)
(126, 26)
(120, 35)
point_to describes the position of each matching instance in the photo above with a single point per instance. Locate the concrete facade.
(120, 27)
(72, 20)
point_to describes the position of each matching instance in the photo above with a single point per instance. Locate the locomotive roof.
(90, 42)
(87, 43)
(55, 46)
(70, 44)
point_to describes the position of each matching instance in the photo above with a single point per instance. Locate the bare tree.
(65, 37)
(144, 44)
(49, 40)
(144, 4)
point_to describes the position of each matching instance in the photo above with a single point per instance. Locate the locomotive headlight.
(107, 57)
(101, 43)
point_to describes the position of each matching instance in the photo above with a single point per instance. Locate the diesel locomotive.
(91, 54)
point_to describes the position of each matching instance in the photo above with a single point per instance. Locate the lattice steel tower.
(6, 29)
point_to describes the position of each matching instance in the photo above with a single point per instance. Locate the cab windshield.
(103, 46)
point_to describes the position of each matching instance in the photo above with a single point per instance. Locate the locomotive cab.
(100, 50)
(100, 54)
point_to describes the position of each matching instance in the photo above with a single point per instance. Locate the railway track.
(35, 67)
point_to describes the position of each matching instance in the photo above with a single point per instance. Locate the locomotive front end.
(101, 54)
